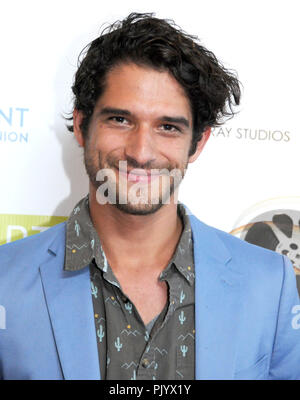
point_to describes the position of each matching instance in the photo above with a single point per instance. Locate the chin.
(139, 209)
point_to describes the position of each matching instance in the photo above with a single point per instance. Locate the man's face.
(143, 118)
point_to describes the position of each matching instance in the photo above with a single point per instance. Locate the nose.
(140, 146)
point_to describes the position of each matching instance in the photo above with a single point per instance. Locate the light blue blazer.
(246, 304)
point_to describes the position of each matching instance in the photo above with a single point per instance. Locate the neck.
(133, 240)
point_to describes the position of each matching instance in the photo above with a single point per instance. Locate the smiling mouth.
(136, 175)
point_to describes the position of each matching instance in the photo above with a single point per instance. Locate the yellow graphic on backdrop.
(17, 226)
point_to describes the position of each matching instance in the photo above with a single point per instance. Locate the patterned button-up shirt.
(165, 348)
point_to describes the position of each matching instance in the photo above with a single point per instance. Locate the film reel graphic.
(277, 230)
(281, 234)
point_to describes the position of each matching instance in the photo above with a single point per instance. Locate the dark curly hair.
(212, 90)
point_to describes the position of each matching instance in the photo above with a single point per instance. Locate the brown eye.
(170, 128)
(120, 120)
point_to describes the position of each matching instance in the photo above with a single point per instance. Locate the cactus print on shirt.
(127, 349)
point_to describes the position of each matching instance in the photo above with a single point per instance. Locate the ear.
(200, 145)
(77, 120)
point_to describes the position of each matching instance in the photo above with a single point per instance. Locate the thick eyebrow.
(111, 110)
(120, 111)
(176, 120)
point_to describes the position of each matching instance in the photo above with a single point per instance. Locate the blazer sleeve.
(285, 361)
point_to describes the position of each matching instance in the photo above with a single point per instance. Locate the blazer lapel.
(219, 304)
(69, 302)
(219, 307)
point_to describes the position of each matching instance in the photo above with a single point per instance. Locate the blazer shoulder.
(32, 247)
(249, 250)
(248, 256)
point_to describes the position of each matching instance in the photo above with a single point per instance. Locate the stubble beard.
(146, 208)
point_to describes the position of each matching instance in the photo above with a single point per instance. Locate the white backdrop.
(248, 167)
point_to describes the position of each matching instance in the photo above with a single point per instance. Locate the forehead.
(145, 90)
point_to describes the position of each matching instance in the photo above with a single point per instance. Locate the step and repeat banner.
(246, 180)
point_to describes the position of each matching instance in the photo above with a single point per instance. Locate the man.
(132, 286)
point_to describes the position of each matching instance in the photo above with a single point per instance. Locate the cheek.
(109, 142)
(177, 153)
(91, 149)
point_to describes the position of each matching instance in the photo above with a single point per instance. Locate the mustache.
(132, 163)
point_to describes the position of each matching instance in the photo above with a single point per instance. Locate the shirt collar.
(183, 258)
(82, 241)
(83, 245)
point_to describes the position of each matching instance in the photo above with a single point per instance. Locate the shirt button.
(145, 362)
